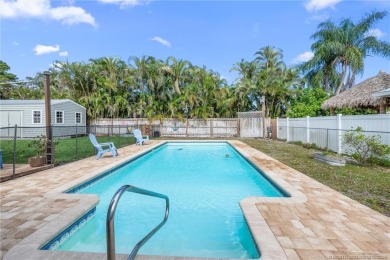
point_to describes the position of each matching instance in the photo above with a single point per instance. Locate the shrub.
(365, 149)
(38, 144)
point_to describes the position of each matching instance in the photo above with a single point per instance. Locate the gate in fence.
(251, 124)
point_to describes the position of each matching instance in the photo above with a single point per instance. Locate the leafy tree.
(308, 103)
(6, 77)
(267, 76)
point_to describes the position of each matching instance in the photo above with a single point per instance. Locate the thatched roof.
(361, 94)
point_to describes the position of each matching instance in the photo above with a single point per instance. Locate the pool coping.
(264, 238)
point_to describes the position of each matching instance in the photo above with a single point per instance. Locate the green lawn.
(369, 184)
(66, 150)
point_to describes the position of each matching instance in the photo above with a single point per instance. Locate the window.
(78, 118)
(59, 117)
(37, 116)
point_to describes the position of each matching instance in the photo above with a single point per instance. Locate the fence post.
(187, 127)
(211, 128)
(308, 129)
(13, 167)
(340, 135)
(76, 145)
(52, 147)
(327, 139)
(277, 128)
(108, 132)
(288, 129)
(95, 128)
(119, 126)
(238, 128)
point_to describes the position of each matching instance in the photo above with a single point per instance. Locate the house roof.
(361, 94)
(18, 102)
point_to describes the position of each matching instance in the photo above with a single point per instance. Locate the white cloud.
(15, 43)
(63, 53)
(376, 33)
(316, 5)
(317, 18)
(124, 3)
(307, 55)
(72, 15)
(45, 49)
(43, 10)
(162, 41)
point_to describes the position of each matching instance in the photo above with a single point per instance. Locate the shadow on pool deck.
(6, 173)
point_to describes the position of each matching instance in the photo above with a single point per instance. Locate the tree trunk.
(177, 89)
(332, 111)
(342, 76)
(382, 109)
(326, 80)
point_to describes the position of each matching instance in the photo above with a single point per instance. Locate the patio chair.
(139, 138)
(99, 146)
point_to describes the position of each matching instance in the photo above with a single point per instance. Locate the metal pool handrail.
(110, 232)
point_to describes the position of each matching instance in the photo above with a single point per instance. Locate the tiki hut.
(361, 95)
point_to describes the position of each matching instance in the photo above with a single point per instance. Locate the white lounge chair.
(99, 146)
(139, 138)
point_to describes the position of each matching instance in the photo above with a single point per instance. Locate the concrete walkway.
(316, 222)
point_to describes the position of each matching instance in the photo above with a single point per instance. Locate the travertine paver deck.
(315, 223)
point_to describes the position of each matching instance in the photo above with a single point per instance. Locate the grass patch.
(66, 150)
(367, 184)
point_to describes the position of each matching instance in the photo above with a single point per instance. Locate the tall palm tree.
(269, 57)
(178, 70)
(246, 69)
(342, 48)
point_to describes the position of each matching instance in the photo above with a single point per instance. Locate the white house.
(30, 116)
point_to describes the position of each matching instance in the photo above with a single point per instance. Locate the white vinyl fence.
(327, 132)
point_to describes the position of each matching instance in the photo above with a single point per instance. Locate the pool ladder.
(110, 232)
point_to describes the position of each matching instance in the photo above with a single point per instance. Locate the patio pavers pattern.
(25, 206)
(328, 225)
(323, 225)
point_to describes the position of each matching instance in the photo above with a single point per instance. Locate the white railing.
(327, 132)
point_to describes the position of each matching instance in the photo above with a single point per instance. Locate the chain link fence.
(69, 143)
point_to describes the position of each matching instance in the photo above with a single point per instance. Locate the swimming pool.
(204, 181)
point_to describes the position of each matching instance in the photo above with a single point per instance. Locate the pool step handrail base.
(110, 232)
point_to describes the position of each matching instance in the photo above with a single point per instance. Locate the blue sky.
(36, 33)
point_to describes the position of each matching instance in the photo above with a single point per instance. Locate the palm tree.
(178, 70)
(246, 69)
(269, 57)
(342, 49)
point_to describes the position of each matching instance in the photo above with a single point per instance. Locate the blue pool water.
(204, 182)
